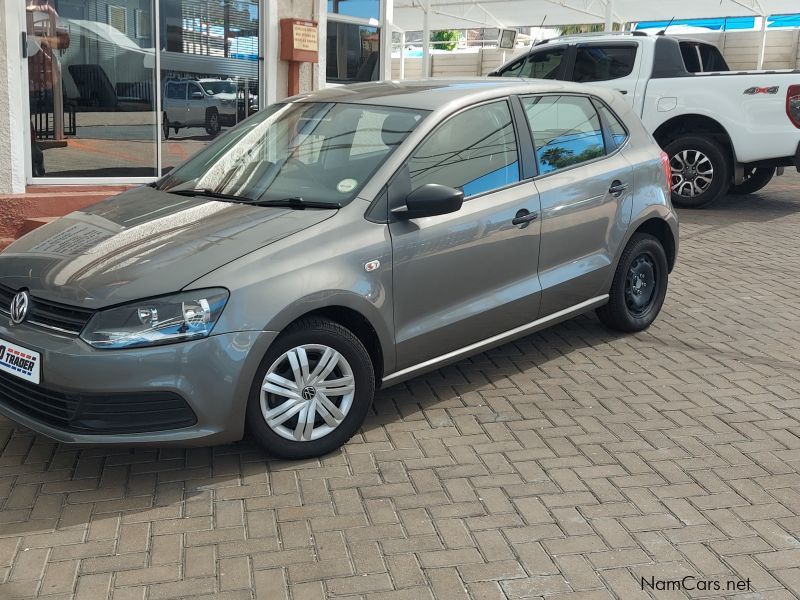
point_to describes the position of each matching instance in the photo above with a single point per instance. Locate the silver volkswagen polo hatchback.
(330, 245)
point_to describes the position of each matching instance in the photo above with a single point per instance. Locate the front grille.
(47, 314)
(96, 413)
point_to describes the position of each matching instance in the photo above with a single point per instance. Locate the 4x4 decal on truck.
(752, 91)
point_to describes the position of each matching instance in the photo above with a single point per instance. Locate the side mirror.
(197, 95)
(430, 200)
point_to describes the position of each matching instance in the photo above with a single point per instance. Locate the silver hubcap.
(692, 173)
(307, 392)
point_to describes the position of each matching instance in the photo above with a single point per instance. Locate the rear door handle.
(523, 217)
(617, 187)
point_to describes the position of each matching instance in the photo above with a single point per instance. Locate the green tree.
(448, 36)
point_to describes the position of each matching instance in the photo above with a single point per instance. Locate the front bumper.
(213, 375)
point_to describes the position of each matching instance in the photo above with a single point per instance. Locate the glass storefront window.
(353, 52)
(94, 87)
(209, 71)
(363, 9)
(91, 74)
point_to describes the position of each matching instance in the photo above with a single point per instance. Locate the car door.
(463, 277)
(585, 186)
(613, 65)
(195, 105)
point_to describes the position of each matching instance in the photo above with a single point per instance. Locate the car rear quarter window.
(603, 63)
(474, 151)
(615, 127)
(566, 131)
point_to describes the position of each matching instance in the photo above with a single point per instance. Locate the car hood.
(142, 243)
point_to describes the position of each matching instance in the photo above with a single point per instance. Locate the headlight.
(165, 320)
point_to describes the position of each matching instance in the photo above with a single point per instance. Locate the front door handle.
(623, 92)
(617, 187)
(524, 217)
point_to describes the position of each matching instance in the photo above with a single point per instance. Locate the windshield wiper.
(297, 203)
(211, 194)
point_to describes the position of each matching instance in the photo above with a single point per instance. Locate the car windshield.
(219, 87)
(320, 152)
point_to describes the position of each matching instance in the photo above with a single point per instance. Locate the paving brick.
(563, 465)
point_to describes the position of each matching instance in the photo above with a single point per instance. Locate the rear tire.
(700, 171)
(755, 179)
(165, 127)
(340, 397)
(639, 287)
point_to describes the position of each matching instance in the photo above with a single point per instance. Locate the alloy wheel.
(307, 392)
(692, 173)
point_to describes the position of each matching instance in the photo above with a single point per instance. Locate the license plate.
(21, 362)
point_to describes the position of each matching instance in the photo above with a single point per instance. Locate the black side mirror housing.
(430, 200)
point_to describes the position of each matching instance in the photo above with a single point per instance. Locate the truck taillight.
(793, 104)
(667, 171)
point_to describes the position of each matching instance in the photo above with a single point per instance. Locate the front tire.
(212, 122)
(755, 179)
(312, 391)
(700, 171)
(639, 287)
(165, 127)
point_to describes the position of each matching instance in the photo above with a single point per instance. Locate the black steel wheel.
(639, 286)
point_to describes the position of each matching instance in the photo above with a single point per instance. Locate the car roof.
(432, 94)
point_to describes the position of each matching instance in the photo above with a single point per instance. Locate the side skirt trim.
(495, 340)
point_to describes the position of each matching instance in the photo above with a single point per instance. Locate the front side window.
(603, 63)
(195, 89)
(474, 151)
(566, 131)
(514, 69)
(176, 91)
(321, 152)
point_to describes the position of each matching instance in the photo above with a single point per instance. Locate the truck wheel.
(754, 180)
(312, 391)
(639, 286)
(165, 127)
(700, 171)
(212, 121)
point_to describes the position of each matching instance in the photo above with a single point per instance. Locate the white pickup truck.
(724, 131)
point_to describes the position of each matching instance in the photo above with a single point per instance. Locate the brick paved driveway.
(567, 465)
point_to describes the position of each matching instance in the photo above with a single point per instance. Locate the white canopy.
(465, 14)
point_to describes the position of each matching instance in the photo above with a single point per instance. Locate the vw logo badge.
(19, 307)
(309, 392)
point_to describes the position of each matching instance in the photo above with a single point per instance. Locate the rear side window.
(176, 91)
(474, 151)
(566, 131)
(617, 130)
(603, 63)
(544, 64)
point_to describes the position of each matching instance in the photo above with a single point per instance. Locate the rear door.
(585, 186)
(466, 276)
(615, 65)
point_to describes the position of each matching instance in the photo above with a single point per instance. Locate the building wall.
(12, 113)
